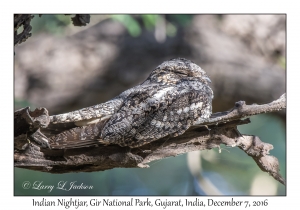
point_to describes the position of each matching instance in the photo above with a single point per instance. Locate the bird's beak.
(207, 79)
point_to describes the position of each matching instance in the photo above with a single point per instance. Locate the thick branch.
(222, 130)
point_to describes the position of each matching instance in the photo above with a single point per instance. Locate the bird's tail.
(78, 137)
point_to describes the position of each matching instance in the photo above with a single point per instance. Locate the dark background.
(64, 68)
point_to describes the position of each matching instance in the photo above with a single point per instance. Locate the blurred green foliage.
(181, 20)
(150, 20)
(130, 23)
(134, 24)
(22, 103)
(282, 62)
(54, 24)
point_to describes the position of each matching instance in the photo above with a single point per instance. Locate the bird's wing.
(85, 116)
(134, 112)
(83, 133)
(152, 115)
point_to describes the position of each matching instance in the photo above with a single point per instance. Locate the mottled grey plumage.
(174, 97)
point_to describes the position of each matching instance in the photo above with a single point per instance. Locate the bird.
(175, 96)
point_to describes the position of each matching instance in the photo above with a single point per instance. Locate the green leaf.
(171, 30)
(150, 20)
(130, 24)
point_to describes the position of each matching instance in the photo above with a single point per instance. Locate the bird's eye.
(180, 73)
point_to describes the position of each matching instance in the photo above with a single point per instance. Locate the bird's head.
(177, 69)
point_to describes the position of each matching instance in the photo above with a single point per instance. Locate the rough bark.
(221, 128)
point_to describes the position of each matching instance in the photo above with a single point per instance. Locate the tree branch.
(221, 128)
